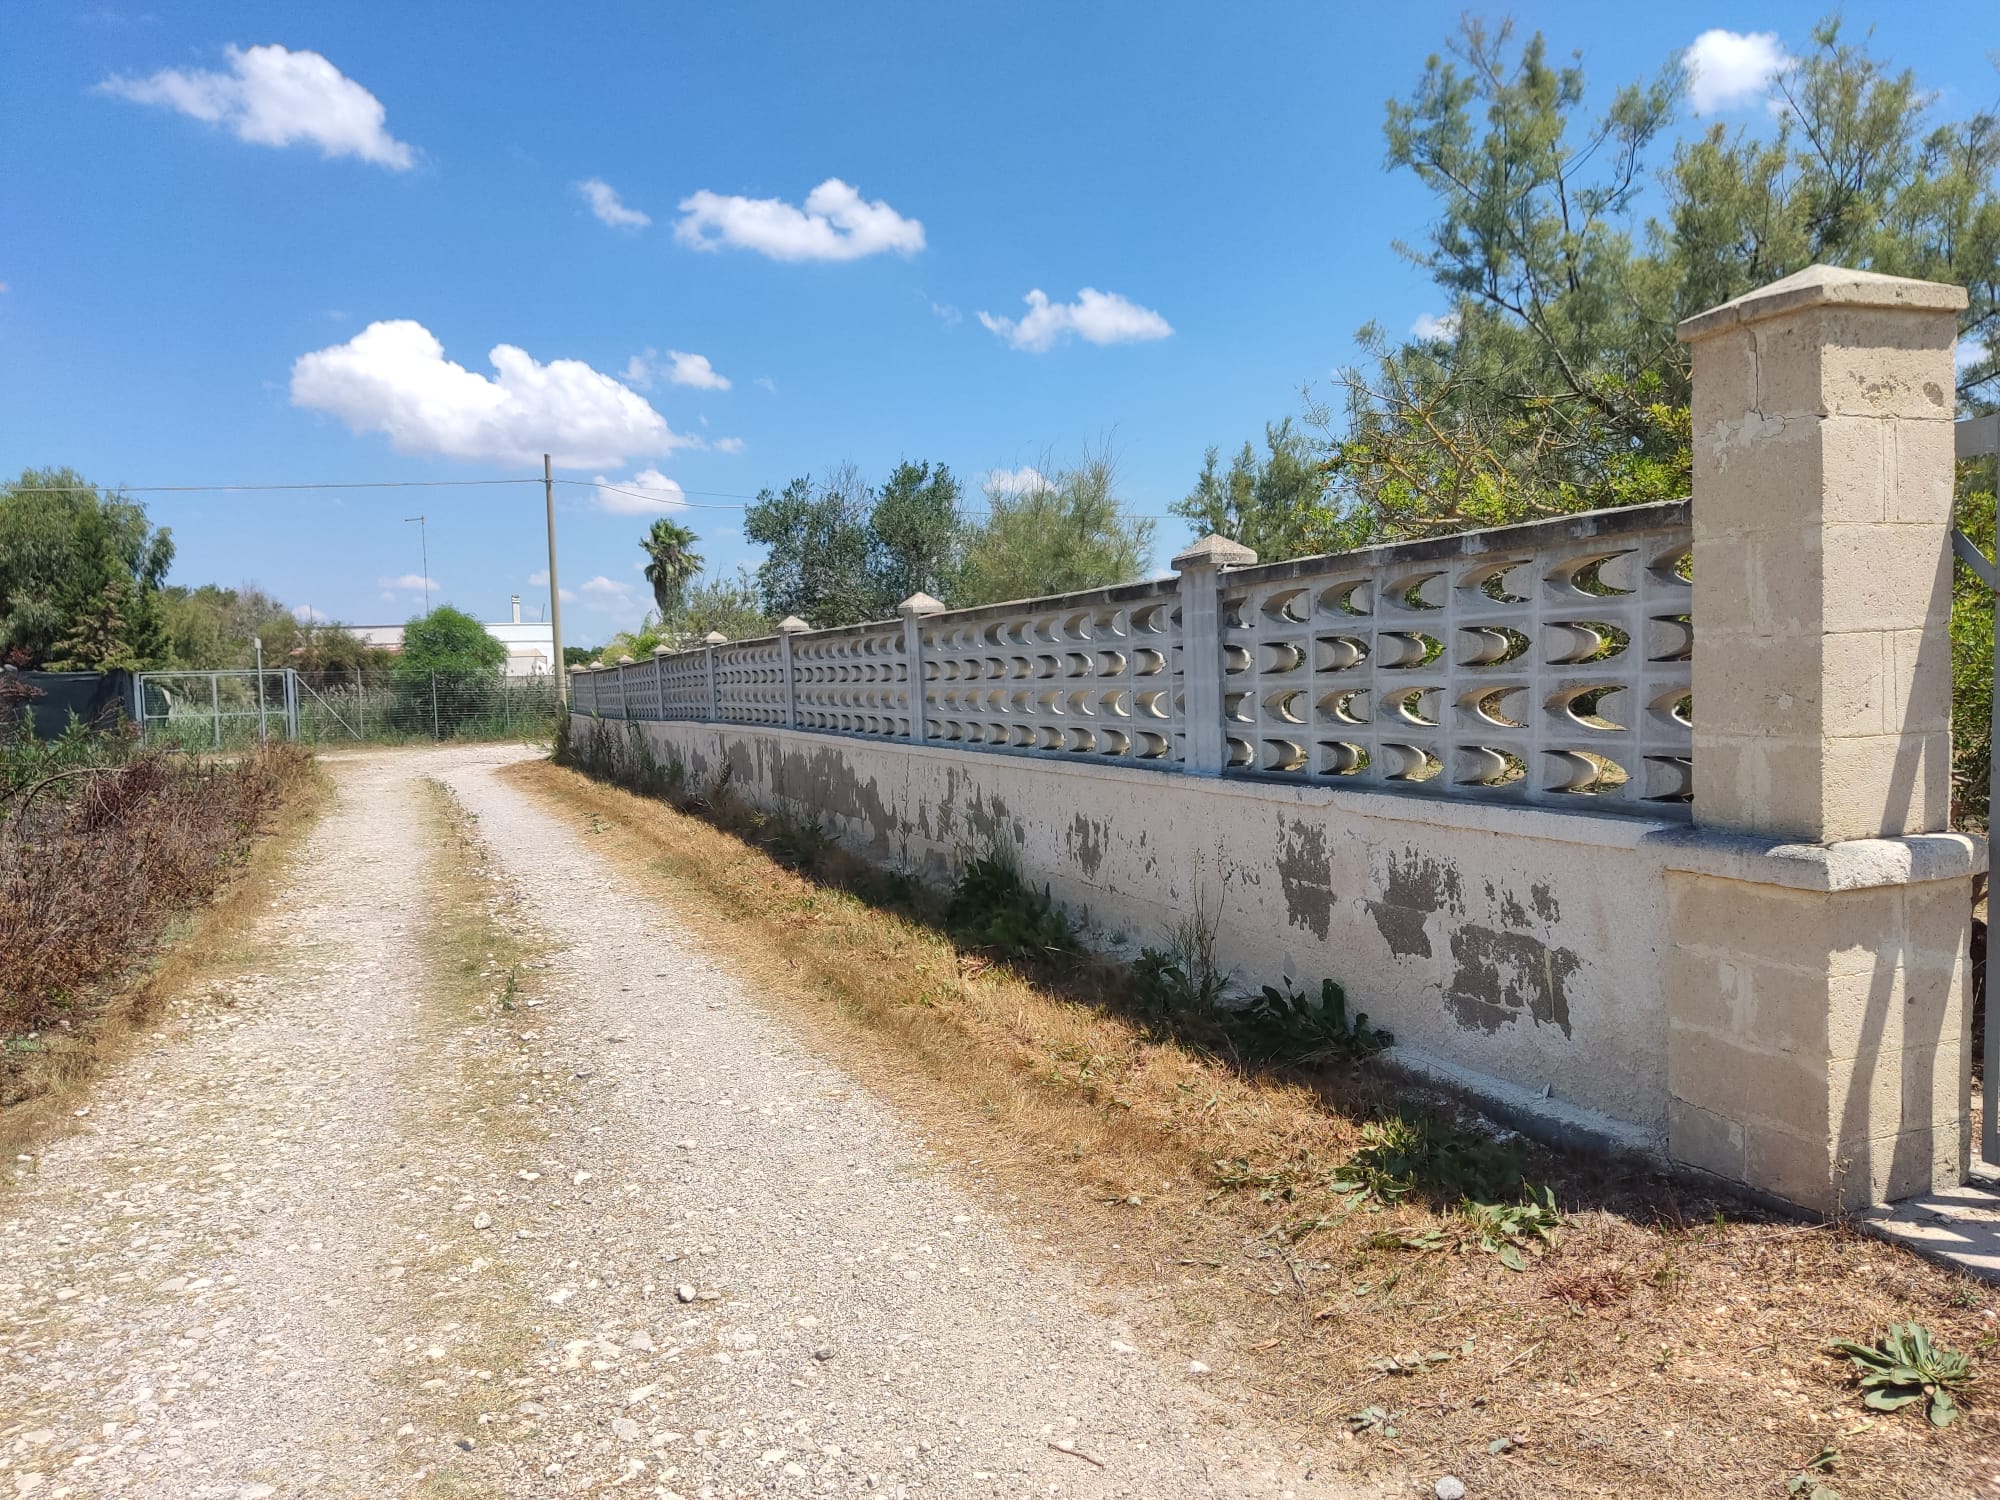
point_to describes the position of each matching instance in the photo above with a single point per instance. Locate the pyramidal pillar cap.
(792, 625)
(920, 603)
(1214, 551)
(1823, 286)
(714, 638)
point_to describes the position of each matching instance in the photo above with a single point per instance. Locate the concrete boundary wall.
(1635, 822)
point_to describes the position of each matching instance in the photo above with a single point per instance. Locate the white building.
(531, 644)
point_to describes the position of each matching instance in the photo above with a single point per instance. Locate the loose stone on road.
(334, 1235)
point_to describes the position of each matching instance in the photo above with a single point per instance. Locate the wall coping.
(1823, 286)
(1852, 865)
(1524, 536)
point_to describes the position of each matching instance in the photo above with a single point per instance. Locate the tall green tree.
(671, 562)
(1556, 383)
(80, 575)
(1070, 532)
(1277, 503)
(917, 535)
(817, 548)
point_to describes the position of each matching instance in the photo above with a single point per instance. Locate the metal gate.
(216, 710)
(1979, 437)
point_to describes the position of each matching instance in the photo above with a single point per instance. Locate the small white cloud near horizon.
(766, 383)
(410, 583)
(539, 579)
(646, 493)
(645, 368)
(306, 614)
(1095, 317)
(1433, 326)
(731, 445)
(1729, 68)
(835, 224)
(272, 96)
(610, 209)
(393, 378)
(1022, 481)
(606, 593)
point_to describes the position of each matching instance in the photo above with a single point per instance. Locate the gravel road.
(325, 1234)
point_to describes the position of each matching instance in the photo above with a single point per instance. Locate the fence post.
(360, 705)
(624, 702)
(292, 703)
(914, 610)
(1817, 1030)
(215, 704)
(660, 655)
(709, 642)
(1201, 568)
(437, 735)
(788, 627)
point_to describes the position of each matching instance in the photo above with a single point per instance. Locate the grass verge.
(60, 1026)
(1668, 1342)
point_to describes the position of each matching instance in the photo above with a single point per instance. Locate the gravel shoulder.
(339, 1231)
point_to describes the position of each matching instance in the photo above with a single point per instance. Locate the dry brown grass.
(123, 895)
(1672, 1343)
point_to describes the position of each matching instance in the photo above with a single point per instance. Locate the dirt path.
(335, 1234)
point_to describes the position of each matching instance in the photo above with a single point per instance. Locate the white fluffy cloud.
(275, 97)
(835, 224)
(606, 593)
(539, 579)
(1022, 481)
(393, 378)
(646, 493)
(1095, 317)
(1432, 326)
(727, 445)
(679, 368)
(1728, 68)
(413, 583)
(610, 209)
(306, 614)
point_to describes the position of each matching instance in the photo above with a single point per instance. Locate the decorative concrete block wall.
(1633, 821)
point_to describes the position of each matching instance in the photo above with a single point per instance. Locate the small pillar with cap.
(788, 627)
(915, 610)
(709, 642)
(1201, 567)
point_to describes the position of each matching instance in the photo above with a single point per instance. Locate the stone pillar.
(914, 611)
(788, 627)
(660, 655)
(1201, 568)
(1817, 1045)
(708, 643)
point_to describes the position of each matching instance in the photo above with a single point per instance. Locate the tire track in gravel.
(859, 1324)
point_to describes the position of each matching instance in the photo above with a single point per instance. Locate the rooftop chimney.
(517, 609)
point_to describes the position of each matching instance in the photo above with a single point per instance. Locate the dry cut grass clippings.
(1307, 1228)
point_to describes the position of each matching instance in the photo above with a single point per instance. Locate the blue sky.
(249, 243)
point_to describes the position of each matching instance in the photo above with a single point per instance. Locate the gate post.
(1817, 1030)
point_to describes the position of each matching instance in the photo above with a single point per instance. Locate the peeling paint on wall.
(1417, 885)
(1500, 975)
(1086, 841)
(1305, 870)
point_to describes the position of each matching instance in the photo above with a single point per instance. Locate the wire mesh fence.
(233, 710)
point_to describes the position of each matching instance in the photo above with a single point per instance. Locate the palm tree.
(670, 562)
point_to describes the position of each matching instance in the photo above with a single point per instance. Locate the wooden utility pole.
(555, 588)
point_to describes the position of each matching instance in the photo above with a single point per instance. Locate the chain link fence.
(233, 710)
